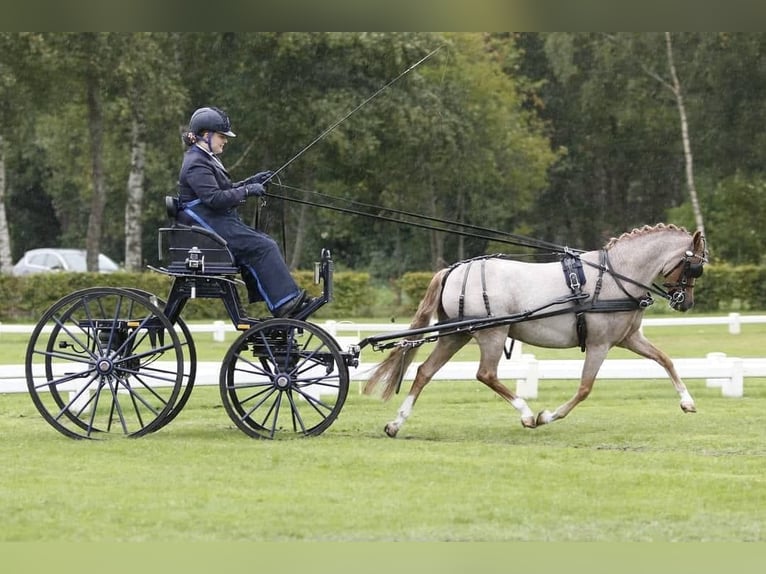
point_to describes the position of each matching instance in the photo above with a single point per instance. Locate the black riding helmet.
(211, 119)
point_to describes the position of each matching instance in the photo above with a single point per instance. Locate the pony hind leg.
(491, 345)
(444, 350)
(640, 345)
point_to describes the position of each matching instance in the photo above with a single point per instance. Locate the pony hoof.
(528, 422)
(544, 418)
(391, 430)
(687, 408)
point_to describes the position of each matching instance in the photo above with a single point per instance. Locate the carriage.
(104, 361)
(107, 361)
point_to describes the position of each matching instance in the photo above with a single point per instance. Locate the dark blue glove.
(259, 177)
(254, 189)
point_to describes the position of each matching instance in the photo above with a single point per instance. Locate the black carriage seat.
(194, 249)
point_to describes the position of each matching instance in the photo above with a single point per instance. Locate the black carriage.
(111, 361)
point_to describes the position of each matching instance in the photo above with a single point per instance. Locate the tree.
(19, 91)
(151, 84)
(674, 85)
(621, 167)
(6, 261)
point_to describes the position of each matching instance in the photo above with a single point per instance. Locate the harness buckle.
(646, 301)
(574, 283)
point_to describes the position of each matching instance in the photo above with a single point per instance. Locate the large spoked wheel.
(190, 358)
(284, 378)
(105, 361)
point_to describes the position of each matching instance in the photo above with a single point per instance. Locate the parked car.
(45, 260)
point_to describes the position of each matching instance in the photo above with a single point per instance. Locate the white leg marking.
(545, 417)
(404, 411)
(521, 405)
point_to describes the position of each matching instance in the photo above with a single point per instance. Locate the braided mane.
(639, 231)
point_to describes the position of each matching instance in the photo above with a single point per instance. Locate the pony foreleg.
(593, 359)
(640, 345)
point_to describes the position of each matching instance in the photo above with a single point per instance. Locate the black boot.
(287, 309)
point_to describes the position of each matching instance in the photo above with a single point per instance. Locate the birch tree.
(6, 262)
(674, 85)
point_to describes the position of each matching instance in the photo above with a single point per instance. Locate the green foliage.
(570, 137)
(738, 209)
(731, 288)
(414, 286)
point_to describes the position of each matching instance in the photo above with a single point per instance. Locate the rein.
(416, 219)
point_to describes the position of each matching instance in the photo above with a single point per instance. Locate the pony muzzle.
(677, 301)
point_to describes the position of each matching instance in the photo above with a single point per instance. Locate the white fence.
(716, 369)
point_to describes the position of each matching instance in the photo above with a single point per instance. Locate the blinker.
(695, 270)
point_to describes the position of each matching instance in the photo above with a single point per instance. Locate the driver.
(208, 198)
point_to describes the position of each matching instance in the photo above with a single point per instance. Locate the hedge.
(24, 299)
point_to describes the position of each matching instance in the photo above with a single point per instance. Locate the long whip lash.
(344, 118)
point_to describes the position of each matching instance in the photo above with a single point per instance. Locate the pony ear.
(698, 240)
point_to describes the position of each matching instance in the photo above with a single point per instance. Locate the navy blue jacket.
(209, 198)
(205, 178)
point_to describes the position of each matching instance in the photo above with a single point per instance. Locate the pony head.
(679, 280)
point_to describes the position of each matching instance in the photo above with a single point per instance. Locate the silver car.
(45, 260)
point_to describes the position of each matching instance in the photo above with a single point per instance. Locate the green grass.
(626, 465)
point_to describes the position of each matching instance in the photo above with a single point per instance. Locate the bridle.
(684, 280)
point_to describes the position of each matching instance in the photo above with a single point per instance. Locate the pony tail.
(391, 370)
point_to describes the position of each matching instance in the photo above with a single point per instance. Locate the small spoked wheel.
(103, 362)
(284, 378)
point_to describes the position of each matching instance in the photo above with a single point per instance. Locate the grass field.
(627, 465)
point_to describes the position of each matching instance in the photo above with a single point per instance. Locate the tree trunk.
(135, 197)
(676, 88)
(6, 261)
(98, 199)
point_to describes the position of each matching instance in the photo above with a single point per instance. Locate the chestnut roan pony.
(597, 303)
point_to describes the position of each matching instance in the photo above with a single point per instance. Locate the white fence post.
(734, 387)
(527, 388)
(715, 359)
(735, 323)
(219, 332)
